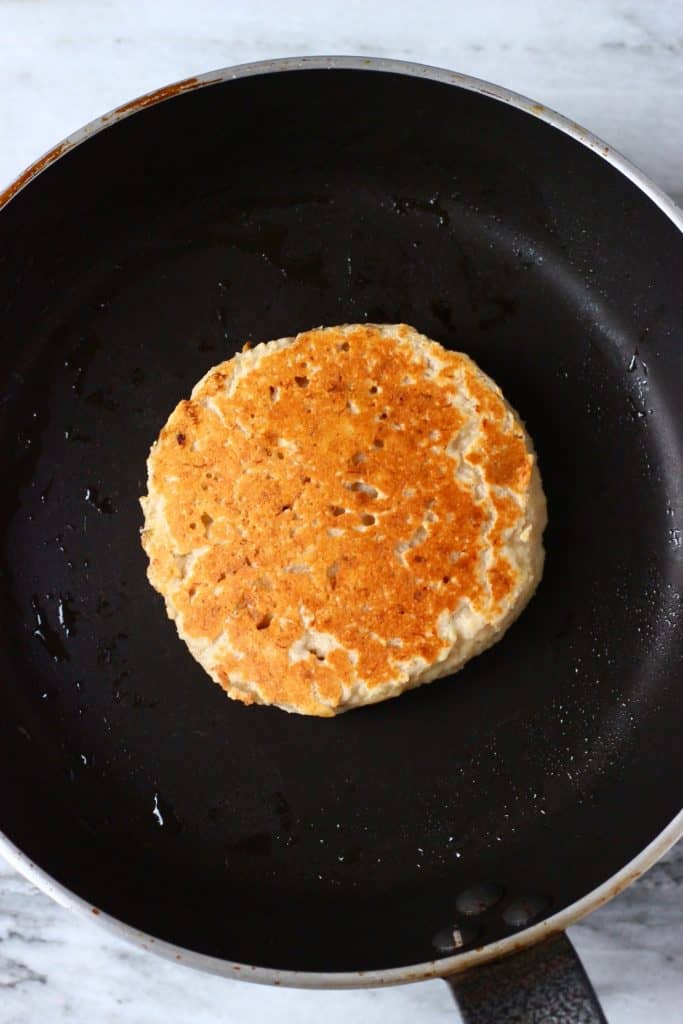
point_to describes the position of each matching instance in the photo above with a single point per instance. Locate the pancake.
(337, 517)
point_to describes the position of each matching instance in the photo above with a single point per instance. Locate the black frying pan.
(465, 820)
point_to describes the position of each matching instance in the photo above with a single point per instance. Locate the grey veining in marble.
(616, 67)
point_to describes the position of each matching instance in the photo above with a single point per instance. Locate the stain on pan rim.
(540, 931)
(353, 979)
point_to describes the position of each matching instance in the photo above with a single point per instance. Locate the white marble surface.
(616, 67)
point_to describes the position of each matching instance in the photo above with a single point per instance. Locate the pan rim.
(388, 65)
(425, 971)
(529, 936)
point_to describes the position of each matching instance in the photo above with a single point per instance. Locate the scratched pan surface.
(255, 209)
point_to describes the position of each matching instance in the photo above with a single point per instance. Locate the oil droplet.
(43, 632)
(100, 505)
(403, 206)
(72, 434)
(156, 811)
(66, 616)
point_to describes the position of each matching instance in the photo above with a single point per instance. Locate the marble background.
(616, 67)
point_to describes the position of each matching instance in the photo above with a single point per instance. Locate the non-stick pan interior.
(254, 209)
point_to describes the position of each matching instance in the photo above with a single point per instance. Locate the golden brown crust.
(318, 506)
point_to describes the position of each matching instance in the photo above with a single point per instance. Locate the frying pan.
(474, 818)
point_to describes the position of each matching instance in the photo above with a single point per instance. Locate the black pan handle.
(542, 984)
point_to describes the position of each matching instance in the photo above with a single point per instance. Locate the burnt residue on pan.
(141, 103)
(156, 249)
(31, 172)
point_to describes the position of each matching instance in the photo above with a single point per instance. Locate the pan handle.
(544, 983)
